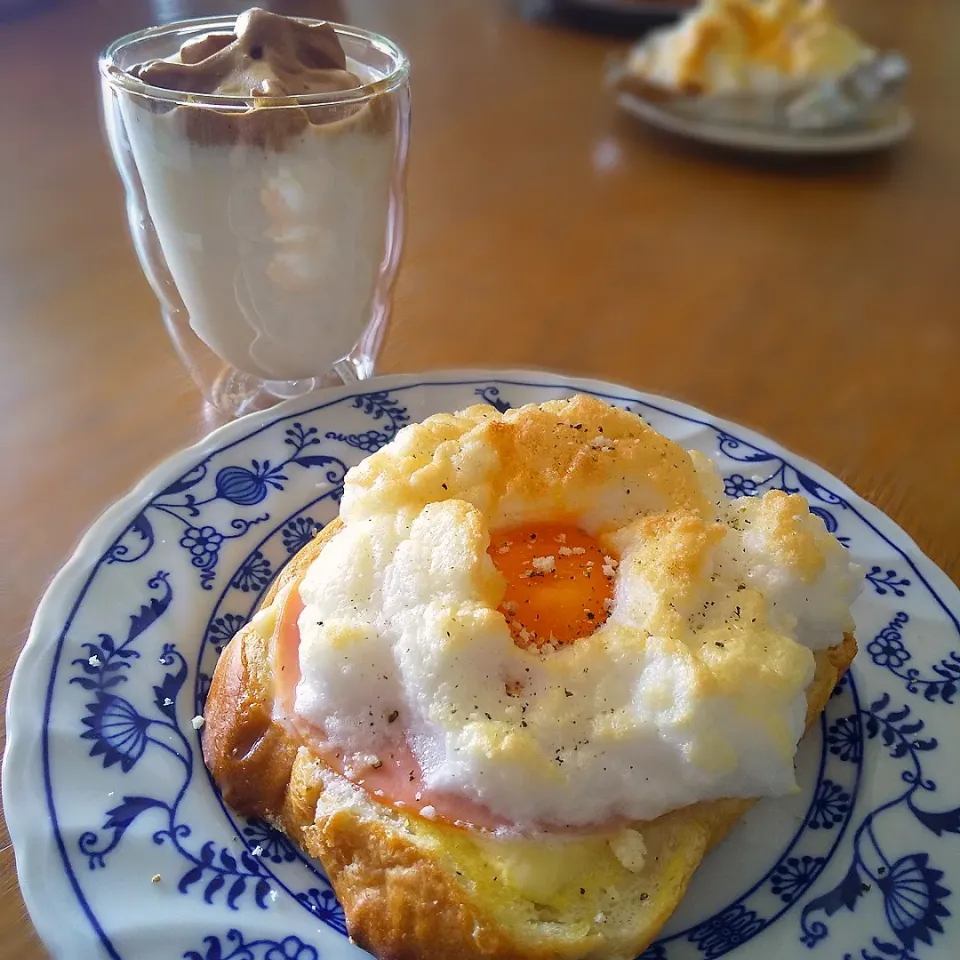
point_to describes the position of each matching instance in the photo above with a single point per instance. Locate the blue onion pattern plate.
(126, 851)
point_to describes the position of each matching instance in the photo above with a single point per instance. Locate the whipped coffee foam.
(266, 55)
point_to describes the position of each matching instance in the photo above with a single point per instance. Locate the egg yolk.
(559, 582)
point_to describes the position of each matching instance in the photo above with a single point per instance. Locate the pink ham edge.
(398, 781)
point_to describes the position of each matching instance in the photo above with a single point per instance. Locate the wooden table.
(819, 302)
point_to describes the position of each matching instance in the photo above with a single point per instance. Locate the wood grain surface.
(817, 302)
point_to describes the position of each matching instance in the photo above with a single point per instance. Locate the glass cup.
(269, 229)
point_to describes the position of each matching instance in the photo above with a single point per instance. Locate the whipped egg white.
(692, 689)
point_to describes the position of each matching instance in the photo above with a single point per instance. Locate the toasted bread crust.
(401, 904)
(248, 752)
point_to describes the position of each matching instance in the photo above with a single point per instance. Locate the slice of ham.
(398, 780)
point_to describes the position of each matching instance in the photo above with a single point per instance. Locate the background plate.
(758, 140)
(125, 850)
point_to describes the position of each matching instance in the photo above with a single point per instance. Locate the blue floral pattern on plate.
(236, 947)
(860, 865)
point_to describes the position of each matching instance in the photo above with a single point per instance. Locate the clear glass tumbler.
(269, 229)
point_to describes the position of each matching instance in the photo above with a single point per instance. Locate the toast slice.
(414, 888)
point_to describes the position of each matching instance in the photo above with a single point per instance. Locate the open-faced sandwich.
(537, 668)
(763, 47)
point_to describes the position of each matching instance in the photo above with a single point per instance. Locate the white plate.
(104, 786)
(773, 140)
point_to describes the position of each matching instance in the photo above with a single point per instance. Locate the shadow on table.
(629, 21)
(20, 9)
